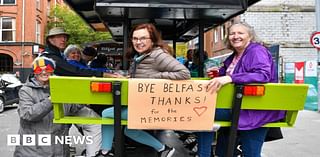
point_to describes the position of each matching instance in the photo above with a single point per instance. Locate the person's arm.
(258, 65)
(63, 68)
(216, 83)
(170, 68)
(30, 110)
(78, 64)
(106, 72)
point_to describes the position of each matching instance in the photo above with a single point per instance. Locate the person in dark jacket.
(99, 62)
(188, 62)
(250, 62)
(88, 54)
(56, 41)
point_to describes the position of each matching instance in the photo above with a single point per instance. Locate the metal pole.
(126, 24)
(236, 106)
(201, 49)
(317, 7)
(174, 41)
(317, 15)
(118, 136)
(22, 70)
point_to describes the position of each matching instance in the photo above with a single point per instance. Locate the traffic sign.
(315, 40)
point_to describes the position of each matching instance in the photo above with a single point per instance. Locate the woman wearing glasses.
(36, 115)
(151, 58)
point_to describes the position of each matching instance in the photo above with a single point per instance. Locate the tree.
(80, 32)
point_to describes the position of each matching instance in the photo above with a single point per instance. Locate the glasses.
(39, 70)
(142, 39)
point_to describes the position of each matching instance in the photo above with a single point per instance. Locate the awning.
(177, 20)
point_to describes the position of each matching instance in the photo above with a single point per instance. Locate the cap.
(43, 63)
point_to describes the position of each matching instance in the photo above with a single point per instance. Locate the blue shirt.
(84, 66)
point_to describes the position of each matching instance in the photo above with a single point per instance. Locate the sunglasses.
(48, 69)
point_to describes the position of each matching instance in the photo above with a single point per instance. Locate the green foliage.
(80, 32)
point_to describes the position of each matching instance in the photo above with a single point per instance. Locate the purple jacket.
(255, 66)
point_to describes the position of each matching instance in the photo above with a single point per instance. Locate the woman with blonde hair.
(250, 62)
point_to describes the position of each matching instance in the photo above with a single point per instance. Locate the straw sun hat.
(57, 31)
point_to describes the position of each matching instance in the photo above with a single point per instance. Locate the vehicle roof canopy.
(177, 20)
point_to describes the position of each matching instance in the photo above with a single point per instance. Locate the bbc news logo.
(46, 140)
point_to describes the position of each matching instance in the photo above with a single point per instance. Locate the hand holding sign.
(168, 104)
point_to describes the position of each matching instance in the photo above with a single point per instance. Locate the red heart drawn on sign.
(200, 110)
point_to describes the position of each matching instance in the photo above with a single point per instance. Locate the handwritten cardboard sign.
(170, 104)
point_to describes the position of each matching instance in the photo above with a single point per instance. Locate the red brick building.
(22, 33)
(23, 28)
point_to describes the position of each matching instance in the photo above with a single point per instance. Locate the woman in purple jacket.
(250, 62)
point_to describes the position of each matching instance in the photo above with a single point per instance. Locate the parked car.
(312, 99)
(9, 88)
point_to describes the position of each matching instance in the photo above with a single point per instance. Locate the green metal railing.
(76, 90)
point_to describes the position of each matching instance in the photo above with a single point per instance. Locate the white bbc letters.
(29, 140)
(13, 140)
(44, 140)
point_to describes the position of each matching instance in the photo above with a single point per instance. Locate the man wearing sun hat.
(35, 112)
(56, 41)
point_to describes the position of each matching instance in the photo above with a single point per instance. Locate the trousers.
(250, 140)
(205, 139)
(136, 135)
(90, 130)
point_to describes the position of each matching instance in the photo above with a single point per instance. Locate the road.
(301, 140)
(9, 123)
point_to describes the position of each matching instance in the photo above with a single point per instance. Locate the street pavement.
(9, 123)
(301, 140)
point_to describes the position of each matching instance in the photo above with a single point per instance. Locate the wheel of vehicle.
(1, 104)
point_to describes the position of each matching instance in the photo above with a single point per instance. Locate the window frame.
(12, 29)
(222, 32)
(2, 2)
(38, 32)
(38, 4)
(215, 36)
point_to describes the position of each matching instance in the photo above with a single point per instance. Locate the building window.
(38, 31)
(7, 29)
(38, 4)
(222, 28)
(7, 2)
(215, 40)
(48, 9)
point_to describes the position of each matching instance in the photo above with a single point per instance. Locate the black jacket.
(63, 68)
